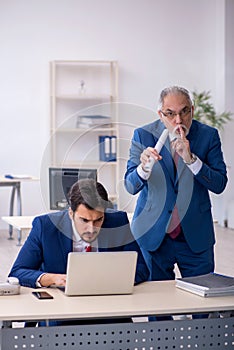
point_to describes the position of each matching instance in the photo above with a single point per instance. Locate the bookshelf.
(80, 89)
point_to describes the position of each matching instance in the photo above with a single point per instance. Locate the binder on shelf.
(107, 148)
(113, 148)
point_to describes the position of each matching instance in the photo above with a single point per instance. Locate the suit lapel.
(180, 169)
(167, 160)
(65, 236)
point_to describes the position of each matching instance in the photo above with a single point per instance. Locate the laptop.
(100, 273)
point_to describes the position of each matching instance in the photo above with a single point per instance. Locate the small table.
(20, 223)
(15, 183)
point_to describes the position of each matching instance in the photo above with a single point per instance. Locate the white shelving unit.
(84, 88)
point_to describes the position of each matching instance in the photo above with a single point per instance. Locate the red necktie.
(88, 248)
(174, 228)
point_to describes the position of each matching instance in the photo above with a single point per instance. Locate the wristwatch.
(193, 159)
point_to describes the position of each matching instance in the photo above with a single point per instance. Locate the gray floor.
(224, 251)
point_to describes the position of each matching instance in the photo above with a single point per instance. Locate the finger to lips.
(182, 134)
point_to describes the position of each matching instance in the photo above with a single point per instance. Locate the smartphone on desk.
(42, 295)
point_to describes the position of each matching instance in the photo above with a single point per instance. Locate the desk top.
(149, 298)
(5, 181)
(19, 222)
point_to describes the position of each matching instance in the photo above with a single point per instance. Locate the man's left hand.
(182, 147)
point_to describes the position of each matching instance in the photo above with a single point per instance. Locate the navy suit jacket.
(159, 194)
(50, 240)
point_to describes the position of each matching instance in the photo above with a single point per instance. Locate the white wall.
(229, 105)
(156, 43)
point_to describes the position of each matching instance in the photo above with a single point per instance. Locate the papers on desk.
(209, 285)
(14, 176)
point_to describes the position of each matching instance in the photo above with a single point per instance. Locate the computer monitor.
(60, 182)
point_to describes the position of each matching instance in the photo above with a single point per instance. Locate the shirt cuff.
(143, 174)
(196, 166)
(38, 284)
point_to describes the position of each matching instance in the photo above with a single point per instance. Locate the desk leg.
(11, 210)
(16, 188)
(19, 201)
(19, 237)
(19, 211)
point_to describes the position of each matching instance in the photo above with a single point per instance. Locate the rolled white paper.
(158, 147)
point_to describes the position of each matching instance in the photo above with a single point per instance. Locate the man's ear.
(70, 212)
(192, 110)
(160, 115)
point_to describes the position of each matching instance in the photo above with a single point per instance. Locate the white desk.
(16, 192)
(15, 184)
(21, 223)
(150, 298)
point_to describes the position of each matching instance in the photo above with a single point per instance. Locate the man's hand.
(146, 154)
(182, 147)
(49, 279)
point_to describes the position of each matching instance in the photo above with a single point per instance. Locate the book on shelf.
(86, 121)
(208, 285)
(107, 148)
(80, 125)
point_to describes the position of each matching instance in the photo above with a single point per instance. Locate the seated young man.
(42, 260)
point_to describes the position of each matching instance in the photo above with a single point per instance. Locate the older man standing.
(172, 221)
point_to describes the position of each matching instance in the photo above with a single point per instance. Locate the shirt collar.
(77, 238)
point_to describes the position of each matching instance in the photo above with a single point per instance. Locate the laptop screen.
(99, 273)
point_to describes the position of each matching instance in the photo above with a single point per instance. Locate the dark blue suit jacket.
(164, 188)
(50, 240)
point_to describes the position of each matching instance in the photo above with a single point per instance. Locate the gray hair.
(174, 90)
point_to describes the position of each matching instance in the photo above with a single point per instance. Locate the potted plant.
(204, 110)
